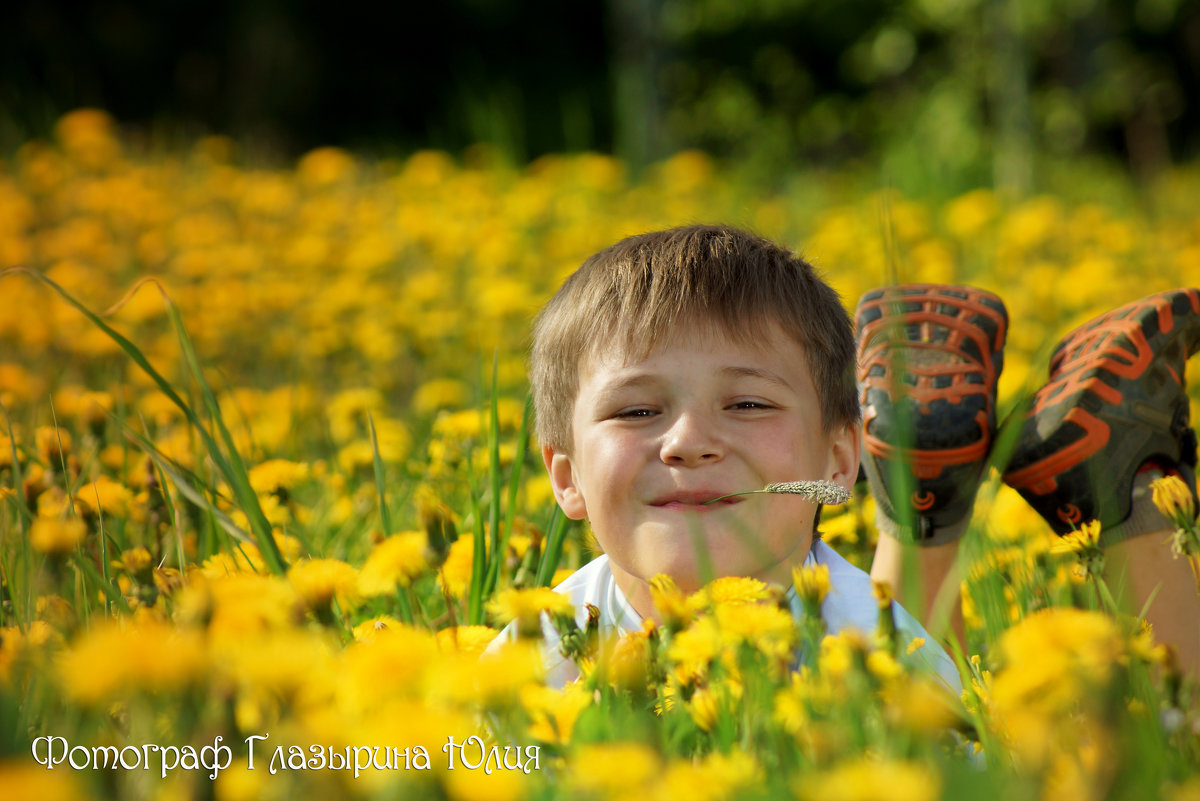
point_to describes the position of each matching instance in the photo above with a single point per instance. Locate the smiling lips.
(693, 501)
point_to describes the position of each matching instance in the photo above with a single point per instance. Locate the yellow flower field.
(255, 535)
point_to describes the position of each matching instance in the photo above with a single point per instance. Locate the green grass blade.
(24, 519)
(479, 553)
(556, 535)
(514, 486)
(495, 540)
(110, 592)
(385, 516)
(233, 469)
(188, 491)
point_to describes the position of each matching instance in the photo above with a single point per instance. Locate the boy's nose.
(690, 441)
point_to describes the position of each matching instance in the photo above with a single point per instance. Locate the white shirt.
(850, 604)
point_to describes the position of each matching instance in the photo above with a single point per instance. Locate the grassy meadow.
(266, 472)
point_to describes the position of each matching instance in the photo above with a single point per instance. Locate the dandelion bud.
(704, 709)
(812, 583)
(670, 602)
(882, 592)
(1173, 498)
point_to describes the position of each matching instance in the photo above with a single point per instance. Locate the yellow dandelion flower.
(53, 445)
(144, 656)
(325, 166)
(53, 502)
(710, 778)
(840, 651)
(730, 590)
(1083, 539)
(368, 630)
(921, 705)
(136, 561)
(277, 474)
(623, 661)
(670, 602)
(455, 575)
(348, 410)
(92, 409)
(237, 606)
(290, 664)
(319, 581)
(883, 665)
(18, 385)
(812, 583)
(1056, 664)
(440, 393)
(590, 770)
(552, 713)
(1172, 497)
(475, 785)
(694, 648)
(471, 640)
(25, 650)
(704, 708)
(871, 780)
(397, 661)
(23, 778)
(526, 607)
(56, 537)
(89, 136)
(106, 495)
(393, 563)
(766, 627)
(495, 681)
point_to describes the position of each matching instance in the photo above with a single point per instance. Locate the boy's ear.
(562, 479)
(844, 452)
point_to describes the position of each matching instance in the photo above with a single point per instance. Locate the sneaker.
(928, 359)
(1115, 403)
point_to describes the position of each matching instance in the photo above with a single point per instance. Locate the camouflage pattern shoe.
(929, 357)
(1115, 403)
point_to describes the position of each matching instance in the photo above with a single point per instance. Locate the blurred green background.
(939, 95)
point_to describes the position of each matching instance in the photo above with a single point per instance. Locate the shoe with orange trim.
(1116, 403)
(929, 357)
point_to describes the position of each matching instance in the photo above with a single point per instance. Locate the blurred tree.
(940, 93)
(946, 93)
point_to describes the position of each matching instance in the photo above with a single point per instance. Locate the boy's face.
(701, 417)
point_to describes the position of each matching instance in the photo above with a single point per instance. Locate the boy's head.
(637, 293)
(681, 365)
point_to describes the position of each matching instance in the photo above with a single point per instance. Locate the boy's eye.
(634, 413)
(749, 404)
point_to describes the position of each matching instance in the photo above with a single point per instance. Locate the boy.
(1114, 416)
(679, 366)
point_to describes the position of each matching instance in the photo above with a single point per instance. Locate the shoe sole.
(929, 359)
(1116, 384)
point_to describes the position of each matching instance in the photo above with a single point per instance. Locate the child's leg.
(929, 357)
(1144, 566)
(1115, 405)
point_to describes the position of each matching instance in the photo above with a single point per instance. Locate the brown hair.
(636, 292)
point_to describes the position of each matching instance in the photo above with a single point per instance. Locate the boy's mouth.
(694, 500)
